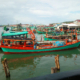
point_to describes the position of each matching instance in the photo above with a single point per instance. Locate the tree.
(19, 27)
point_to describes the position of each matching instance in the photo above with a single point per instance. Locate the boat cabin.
(17, 35)
(69, 27)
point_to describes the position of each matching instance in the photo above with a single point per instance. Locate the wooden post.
(6, 64)
(56, 61)
(53, 70)
(6, 69)
(58, 66)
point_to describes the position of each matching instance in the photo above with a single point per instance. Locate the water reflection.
(21, 60)
(33, 65)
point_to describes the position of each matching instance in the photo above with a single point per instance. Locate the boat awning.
(12, 34)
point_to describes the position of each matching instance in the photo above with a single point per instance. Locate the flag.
(5, 28)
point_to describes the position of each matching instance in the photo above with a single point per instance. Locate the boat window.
(13, 36)
(72, 28)
(60, 27)
(25, 36)
(21, 35)
(29, 42)
(8, 41)
(21, 43)
(17, 36)
(29, 36)
(6, 37)
(65, 28)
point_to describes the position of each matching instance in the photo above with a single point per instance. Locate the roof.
(70, 24)
(78, 20)
(11, 34)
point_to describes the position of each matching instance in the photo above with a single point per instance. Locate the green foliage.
(19, 26)
(68, 22)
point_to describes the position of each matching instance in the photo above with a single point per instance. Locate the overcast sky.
(38, 11)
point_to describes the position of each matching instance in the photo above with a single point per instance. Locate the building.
(77, 22)
(68, 26)
(51, 25)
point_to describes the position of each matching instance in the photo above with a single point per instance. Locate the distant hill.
(1, 25)
(68, 22)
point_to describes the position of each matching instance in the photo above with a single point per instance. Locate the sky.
(38, 11)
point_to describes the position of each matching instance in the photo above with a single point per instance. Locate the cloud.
(41, 12)
(38, 11)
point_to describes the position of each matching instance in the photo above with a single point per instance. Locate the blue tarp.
(58, 43)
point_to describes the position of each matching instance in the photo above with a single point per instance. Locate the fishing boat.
(54, 36)
(45, 29)
(59, 37)
(17, 43)
(16, 29)
(43, 32)
(17, 49)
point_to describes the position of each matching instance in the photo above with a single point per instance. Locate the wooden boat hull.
(27, 51)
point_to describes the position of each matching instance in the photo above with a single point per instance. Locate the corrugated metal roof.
(71, 24)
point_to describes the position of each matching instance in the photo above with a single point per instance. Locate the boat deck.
(59, 36)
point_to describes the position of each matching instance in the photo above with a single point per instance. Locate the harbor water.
(24, 66)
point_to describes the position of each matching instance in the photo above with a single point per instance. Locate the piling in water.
(56, 61)
(58, 65)
(54, 70)
(6, 69)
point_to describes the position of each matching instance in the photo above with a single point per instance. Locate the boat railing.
(15, 45)
(71, 42)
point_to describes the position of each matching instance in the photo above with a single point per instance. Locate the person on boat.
(53, 44)
(74, 36)
(4, 42)
(29, 43)
(10, 44)
(21, 37)
(25, 36)
(61, 29)
(68, 30)
(37, 46)
(34, 46)
(69, 40)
